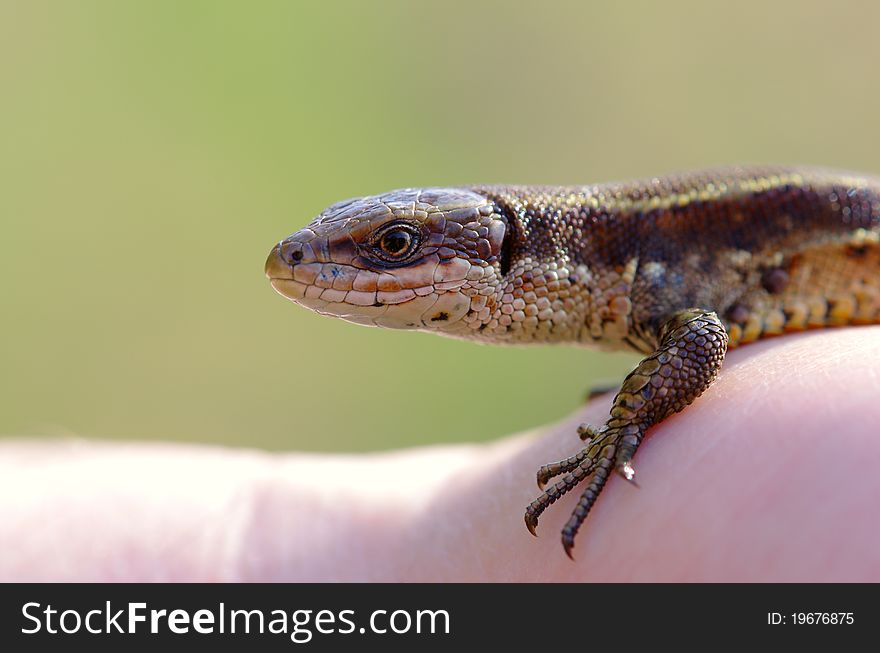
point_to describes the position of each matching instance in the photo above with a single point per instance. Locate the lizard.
(679, 268)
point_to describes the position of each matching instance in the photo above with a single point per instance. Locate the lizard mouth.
(289, 288)
(281, 277)
(319, 289)
(276, 267)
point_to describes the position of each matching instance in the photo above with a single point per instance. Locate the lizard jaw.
(431, 307)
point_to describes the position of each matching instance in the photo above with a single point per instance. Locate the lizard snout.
(282, 258)
(294, 271)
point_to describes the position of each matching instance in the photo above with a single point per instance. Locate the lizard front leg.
(692, 347)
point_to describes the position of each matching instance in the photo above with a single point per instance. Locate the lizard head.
(424, 259)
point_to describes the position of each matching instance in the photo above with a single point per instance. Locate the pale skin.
(772, 475)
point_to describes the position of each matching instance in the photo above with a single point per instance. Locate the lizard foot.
(593, 464)
(692, 344)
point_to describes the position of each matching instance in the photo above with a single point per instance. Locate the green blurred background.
(152, 152)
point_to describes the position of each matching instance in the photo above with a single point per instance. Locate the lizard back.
(771, 250)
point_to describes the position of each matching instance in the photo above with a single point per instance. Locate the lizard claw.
(547, 472)
(568, 545)
(592, 463)
(627, 472)
(531, 524)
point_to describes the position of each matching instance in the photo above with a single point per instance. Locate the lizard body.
(679, 268)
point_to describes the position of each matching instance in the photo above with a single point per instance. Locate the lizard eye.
(396, 243)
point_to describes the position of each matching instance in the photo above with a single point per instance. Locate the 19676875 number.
(809, 618)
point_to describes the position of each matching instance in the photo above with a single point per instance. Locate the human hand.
(772, 475)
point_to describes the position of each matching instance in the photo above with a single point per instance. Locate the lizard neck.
(564, 279)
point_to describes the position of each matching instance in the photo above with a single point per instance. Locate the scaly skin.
(679, 268)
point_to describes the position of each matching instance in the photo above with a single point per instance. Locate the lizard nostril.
(291, 252)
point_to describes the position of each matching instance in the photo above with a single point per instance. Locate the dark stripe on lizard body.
(675, 267)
